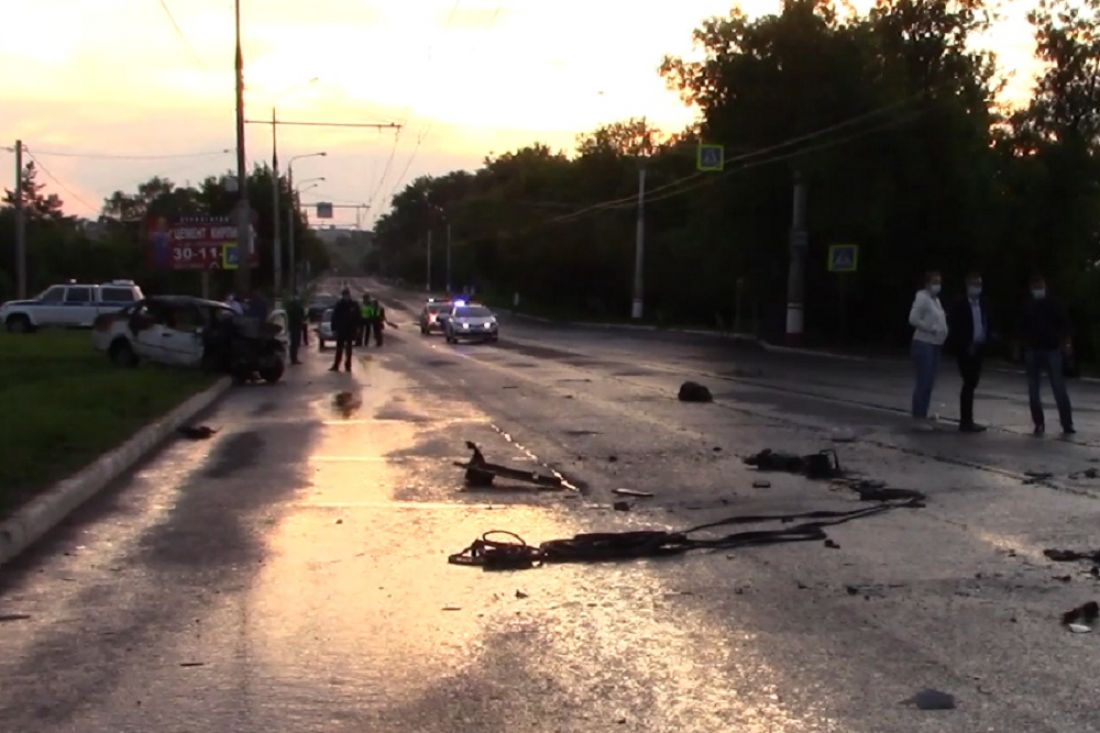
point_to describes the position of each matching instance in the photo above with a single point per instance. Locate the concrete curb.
(46, 511)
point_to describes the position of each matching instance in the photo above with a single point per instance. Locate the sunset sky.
(466, 78)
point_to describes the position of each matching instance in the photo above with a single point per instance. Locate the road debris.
(192, 664)
(695, 392)
(196, 432)
(452, 608)
(1082, 620)
(346, 403)
(5, 617)
(521, 595)
(832, 545)
(823, 464)
(1037, 477)
(621, 506)
(503, 550)
(480, 472)
(929, 699)
(761, 484)
(632, 492)
(1092, 473)
(1072, 555)
(612, 459)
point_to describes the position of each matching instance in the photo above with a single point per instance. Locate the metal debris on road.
(632, 492)
(832, 545)
(823, 464)
(929, 699)
(5, 617)
(196, 432)
(513, 553)
(761, 484)
(192, 664)
(695, 392)
(621, 506)
(480, 472)
(1082, 620)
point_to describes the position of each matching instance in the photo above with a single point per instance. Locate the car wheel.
(122, 354)
(19, 324)
(272, 374)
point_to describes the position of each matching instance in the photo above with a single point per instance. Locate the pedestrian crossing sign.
(843, 257)
(711, 158)
(230, 256)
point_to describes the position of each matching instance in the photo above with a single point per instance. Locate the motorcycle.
(247, 349)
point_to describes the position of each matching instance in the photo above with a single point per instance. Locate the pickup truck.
(70, 305)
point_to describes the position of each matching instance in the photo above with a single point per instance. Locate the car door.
(79, 309)
(147, 326)
(182, 336)
(50, 307)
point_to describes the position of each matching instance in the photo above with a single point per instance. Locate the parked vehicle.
(318, 304)
(325, 333)
(68, 305)
(433, 315)
(191, 332)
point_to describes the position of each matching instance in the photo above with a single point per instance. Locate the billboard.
(195, 243)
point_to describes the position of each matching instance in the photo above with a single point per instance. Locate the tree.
(37, 205)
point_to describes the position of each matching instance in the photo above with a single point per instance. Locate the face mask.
(1039, 293)
(935, 288)
(974, 291)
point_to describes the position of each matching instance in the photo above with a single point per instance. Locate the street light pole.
(290, 214)
(448, 256)
(277, 249)
(244, 234)
(639, 247)
(20, 225)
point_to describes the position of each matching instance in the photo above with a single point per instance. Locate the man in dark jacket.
(345, 322)
(969, 332)
(1046, 339)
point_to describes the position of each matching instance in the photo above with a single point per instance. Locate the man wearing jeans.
(1046, 334)
(929, 324)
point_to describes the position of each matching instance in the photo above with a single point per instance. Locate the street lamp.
(290, 213)
(277, 253)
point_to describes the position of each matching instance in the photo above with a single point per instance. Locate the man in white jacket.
(929, 322)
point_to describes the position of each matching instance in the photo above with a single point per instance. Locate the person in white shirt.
(929, 324)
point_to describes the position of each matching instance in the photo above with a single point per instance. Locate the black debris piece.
(852, 590)
(930, 699)
(621, 506)
(196, 432)
(761, 484)
(5, 617)
(192, 664)
(717, 449)
(1090, 473)
(612, 459)
(695, 392)
(481, 473)
(821, 465)
(1072, 555)
(521, 595)
(1036, 477)
(832, 545)
(1083, 618)
(346, 403)
(1062, 578)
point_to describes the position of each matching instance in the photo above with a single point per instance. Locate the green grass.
(63, 404)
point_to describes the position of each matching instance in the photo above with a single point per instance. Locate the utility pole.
(428, 285)
(639, 247)
(244, 228)
(448, 256)
(20, 225)
(276, 242)
(796, 277)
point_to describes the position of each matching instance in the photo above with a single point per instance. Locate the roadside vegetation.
(64, 405)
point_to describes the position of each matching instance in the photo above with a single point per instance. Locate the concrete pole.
(20, 225)
(428, 282)
(290, 209)
(639, 248)
(244, 223)
(796, 276)
(276, 242)
(448, 255)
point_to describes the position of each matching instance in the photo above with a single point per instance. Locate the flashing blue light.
(460, 303)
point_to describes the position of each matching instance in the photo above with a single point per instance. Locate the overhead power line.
(128, 156)
(183, 36)
(56, 180)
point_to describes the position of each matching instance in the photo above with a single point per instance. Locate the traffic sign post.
(843, 258)
(711, 158)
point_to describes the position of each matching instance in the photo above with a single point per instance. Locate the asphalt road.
(291, 573)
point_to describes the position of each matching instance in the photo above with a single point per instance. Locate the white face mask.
(1039, 293)
(935, 288)
(974, 291)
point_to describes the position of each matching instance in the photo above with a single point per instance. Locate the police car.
(470, 322)
(69, 305)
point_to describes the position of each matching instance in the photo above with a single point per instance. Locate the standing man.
(969, 321)
(1046, 338)
(929, 324)
(378, 321)
(295, 318)
(345, 320)
(366, 316)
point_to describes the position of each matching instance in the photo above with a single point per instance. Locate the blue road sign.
(711, 158)
(843, 258)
